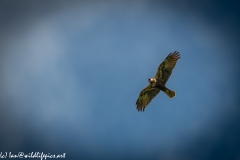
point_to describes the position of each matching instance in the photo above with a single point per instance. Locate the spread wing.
(145, 97)
(166, 67)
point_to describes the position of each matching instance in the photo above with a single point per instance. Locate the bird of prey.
(158, 83)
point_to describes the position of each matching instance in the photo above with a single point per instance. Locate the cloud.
(39, 81)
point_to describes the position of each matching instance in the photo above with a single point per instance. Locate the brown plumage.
(158, 82)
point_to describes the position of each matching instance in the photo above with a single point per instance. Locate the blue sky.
(71, 74)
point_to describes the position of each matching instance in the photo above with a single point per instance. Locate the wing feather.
(166, 67)
(146, 96)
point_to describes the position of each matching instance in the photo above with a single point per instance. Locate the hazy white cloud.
(36, 74)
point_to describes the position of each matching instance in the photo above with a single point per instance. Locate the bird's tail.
(170, 93)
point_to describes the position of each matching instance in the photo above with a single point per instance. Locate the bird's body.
(158, 83)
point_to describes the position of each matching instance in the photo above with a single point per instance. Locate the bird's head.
(152, 80)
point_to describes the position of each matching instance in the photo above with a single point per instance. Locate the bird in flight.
(158, 83)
